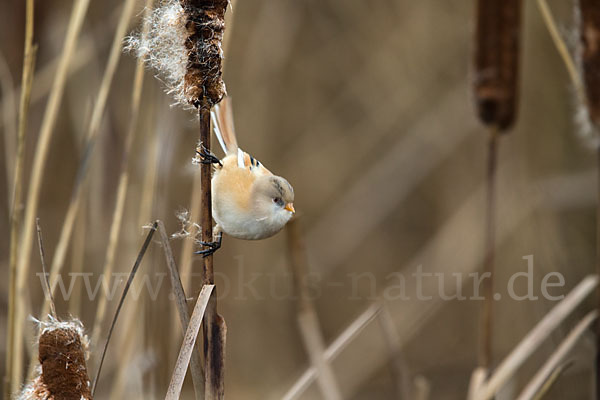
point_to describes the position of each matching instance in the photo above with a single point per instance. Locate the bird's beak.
(290, 207)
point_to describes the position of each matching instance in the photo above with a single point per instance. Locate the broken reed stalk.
(43, 261)
(29, 56)
(33, 195)
(182, 308)
(189, 343)
(495, 86)
(307, 318)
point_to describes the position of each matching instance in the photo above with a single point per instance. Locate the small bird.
(248, 201)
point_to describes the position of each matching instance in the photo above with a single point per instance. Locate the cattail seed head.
(183, 44)
(497, 61)
(63, 372)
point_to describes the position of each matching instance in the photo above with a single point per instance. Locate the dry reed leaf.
(511, 363)
(189, 342)
(557, 358)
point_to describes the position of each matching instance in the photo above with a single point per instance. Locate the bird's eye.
(277, 200)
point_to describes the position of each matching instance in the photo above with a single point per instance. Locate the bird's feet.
(211, 246)
(206, 157)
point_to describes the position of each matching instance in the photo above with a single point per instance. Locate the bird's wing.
(222, 119)
(246, 161)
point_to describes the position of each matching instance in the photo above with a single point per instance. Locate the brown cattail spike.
(205, 24)
(496, 61)
(590, 57)
(62, 359)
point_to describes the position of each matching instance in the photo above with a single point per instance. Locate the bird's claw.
(206, 157)
(212, 246)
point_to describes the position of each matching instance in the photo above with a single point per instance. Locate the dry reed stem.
(511, 363)
(188, 347)
(333, 350)
(134, 270)
(307, 318)
(562, 49)
(39, 161)
(123, 184)
(90, 140)
(16, 203)
(497, 61)
(182, 308)
(558, 356)
(10, 115)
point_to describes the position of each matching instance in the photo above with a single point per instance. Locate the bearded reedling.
(248, 201)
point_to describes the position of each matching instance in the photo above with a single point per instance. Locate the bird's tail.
(222, 120)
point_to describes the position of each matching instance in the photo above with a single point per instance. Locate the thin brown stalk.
(182, 308)
(486, 329)
(33, 195)
(531, 342)
(307, 318)
(134, 270)
(43, 261)
(189, 343)
(557, 358)
(12, 376)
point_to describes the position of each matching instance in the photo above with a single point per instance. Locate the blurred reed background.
(367, 109)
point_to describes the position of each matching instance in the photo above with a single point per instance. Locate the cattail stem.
(214, 325)
(496, 65)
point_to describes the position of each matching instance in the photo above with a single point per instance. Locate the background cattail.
(589, 11)
(497, 61)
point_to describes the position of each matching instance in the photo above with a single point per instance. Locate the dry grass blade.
(307, 318)
(16, 204)
(332, 351)
(136, 265)
(497, 61)
(182, 308)
(509, 366)
(551, 380)
(189, 343)
(557, 358)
